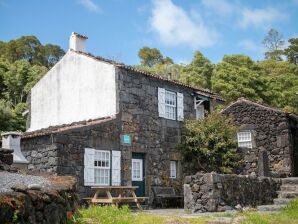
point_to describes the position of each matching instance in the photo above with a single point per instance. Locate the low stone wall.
(213, 192)
(50, 201)
(6, 158)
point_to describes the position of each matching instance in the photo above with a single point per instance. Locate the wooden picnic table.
(120, 198)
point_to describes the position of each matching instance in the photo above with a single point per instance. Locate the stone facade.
(213, 192)
(6, 159)
(272, 138)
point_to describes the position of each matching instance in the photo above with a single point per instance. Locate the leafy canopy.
(210, 144)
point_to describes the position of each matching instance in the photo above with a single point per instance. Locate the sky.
(117, 29)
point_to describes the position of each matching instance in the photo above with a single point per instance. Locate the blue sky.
(117, 29)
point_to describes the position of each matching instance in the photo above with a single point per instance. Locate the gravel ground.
(8, 180)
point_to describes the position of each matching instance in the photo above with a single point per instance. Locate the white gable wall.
(77, 88)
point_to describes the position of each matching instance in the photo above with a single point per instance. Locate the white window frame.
(170, 105)
(100, 168)
(244, 139)
(140, 176)
(173, 169)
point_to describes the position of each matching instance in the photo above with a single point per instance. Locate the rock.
(239, 208)
(34, 187)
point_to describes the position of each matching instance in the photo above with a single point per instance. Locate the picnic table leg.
(136, 200)
(95, 195)
(110, 197)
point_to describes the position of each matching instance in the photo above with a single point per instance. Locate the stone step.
(287, 194)
(281, 201)
(270, 208)
(289, 187)
(290, 180)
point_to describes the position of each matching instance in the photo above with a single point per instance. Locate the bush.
(210, 144)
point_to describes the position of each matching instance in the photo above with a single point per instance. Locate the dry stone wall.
(213, 192)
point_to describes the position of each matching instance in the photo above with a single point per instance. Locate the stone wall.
(6, 159)
(213, 192)
(270, 133)
(36, 204)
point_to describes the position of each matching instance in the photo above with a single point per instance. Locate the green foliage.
(274, 42)
(30, 49)
(5, 115)
(150, 56)
(237, 76)
(106, 215)
(281, 81)
(198, 73)
(210, 144)
(292, 51)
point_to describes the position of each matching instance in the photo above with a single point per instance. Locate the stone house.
(109, 124)
(267, 137)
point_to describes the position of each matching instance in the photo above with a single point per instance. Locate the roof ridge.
(64, 127)
(265, 106)
(129, 67)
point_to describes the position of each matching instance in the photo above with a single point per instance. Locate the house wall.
(63, 153)
(77, 88)
(156, 137)
(270, 133)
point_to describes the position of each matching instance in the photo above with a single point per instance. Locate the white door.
(137, 170)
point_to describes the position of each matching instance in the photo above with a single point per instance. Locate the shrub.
(210, 144)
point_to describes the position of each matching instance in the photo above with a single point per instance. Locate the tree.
(210, 144)
(281, 80)
(150, 56)
(30, 49)
(292, 51)
(5, 115)
(237, 76)
(274, 42)
(198, 73)
(19, 79)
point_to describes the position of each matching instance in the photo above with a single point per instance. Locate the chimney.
(12, 140)
(77, 42)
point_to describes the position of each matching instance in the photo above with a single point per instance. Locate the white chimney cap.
(77, 42)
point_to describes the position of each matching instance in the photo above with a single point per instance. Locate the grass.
(112, 215)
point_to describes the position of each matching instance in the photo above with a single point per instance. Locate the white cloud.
(90, 5)
(259, 17)
(175, 26)
(222, 7)
(248, 45)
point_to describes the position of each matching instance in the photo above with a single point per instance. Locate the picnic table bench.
(120, 198)
(164, 194)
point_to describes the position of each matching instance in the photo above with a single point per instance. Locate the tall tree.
(292, 51)
(198, 73)
(237, 76)
(30, 49)
(150, 56)
(274, 43)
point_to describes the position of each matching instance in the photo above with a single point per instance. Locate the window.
(244, 139)
(102, 167)
(173, 169)
(170, 105)
(137, 170)
(200, 112)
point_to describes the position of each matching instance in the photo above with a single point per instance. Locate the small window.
(173, 169)
(137, 170)
(244, 139)
(170, 105)
(102, 167)
(200, 112)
